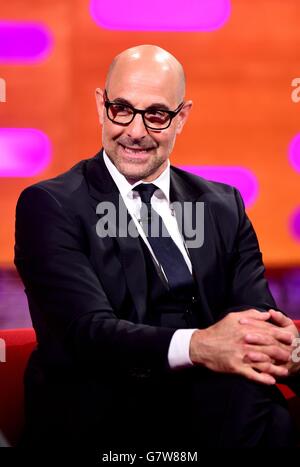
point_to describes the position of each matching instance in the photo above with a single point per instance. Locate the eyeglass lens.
(124, 114)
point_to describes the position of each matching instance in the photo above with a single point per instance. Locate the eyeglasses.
(154, 118)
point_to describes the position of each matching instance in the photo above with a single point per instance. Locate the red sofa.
(19, 344)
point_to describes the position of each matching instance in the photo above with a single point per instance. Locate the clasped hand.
(257, 345)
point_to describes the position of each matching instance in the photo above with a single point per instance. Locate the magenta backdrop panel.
(24, 152)
(23, 42)
(239, 177)
(160, 15)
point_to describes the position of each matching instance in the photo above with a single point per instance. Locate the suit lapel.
(103, 190)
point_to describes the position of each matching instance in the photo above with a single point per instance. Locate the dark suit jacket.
(87, 295)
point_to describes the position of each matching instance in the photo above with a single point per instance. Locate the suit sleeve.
(68, 304)
(248, 287)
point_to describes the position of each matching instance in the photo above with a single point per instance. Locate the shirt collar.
(125, 188)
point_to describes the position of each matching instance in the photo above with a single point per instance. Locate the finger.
(254, 375)
(282, 336)
(259, 339)
(279, 334)
(284, 339)
(255, 314)
(259, 320)
(279, 354)
(279, 318)
(274, 370)
(258, 323)
(253, 356)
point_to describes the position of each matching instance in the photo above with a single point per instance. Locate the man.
(147, 337)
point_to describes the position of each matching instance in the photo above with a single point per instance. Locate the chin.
(133, 177)
(133, 171)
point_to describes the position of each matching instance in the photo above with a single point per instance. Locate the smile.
(135, 151)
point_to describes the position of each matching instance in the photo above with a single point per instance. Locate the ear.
(100, 104)
(183, 116)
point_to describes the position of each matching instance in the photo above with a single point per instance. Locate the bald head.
(145, 59)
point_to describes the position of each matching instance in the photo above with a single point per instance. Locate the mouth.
(135, 152)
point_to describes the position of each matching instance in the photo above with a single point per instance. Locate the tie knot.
(145, 191)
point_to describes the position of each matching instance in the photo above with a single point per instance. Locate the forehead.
(144, 84)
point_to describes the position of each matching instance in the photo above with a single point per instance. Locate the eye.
(157, 112)
(120, 110)
(156, 115)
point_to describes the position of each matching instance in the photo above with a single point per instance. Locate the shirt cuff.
(179, 349)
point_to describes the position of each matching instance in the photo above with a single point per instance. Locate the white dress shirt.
(178, 354)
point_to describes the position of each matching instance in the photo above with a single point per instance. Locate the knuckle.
(244, 333)
(275, 349)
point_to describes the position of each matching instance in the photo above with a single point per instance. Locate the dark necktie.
(165, 249)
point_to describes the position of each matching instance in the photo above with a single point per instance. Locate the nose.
(136, 129)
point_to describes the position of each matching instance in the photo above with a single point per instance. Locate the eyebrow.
(156, 105)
